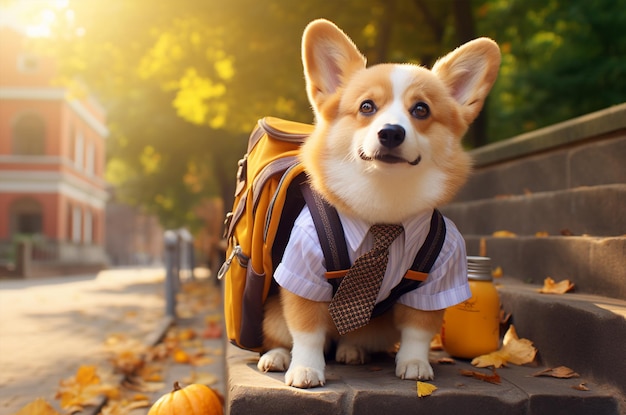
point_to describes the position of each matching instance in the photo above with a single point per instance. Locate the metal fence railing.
(179, 265)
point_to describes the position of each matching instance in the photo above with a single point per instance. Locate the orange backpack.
(272, 188)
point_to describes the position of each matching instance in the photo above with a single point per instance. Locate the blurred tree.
(561, 59)
(184, 81)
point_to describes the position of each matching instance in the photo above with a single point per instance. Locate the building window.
(77, 217)
(79, 150)
(26, 217)
(88, 229)
(91, 157)
(68, 222)
(29, 135)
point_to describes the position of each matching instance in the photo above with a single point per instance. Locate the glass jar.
(472, 328)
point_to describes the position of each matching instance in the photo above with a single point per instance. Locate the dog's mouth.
(388, 158)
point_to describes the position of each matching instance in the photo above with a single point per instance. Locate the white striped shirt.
(302, 268)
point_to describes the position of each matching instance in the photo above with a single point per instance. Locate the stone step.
(586, 333)
(528, 162)
(594, 265)
(374, 389)
(585, 210)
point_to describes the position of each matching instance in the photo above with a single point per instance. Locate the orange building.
(52, 159)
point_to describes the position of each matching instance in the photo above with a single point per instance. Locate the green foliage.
(561, 59)
(184, 81)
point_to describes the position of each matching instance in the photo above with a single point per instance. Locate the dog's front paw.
(415, 369)
(304, 377)
(351, 355)
(275, 360)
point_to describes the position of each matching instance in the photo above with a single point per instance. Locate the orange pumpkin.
(194, 399)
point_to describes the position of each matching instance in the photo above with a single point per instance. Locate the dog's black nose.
(391, 135)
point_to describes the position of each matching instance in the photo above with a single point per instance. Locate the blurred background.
(132, 114)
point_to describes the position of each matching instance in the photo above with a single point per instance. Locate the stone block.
(585, 210)
(583, 332)
(594, 265)
(599, 163)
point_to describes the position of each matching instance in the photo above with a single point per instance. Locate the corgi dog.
(386, 149)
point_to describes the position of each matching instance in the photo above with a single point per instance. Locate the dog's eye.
(367, 107)
(421, 111)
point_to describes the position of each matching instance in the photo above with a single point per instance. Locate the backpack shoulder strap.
(428, 253)
(424, 261)
(329, 230)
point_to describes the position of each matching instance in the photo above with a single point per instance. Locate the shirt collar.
(356, 230)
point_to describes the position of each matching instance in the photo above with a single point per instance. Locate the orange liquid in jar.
(472, 328)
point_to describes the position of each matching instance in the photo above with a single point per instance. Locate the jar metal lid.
(479, 268)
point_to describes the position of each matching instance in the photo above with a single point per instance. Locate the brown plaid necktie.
(352, 305)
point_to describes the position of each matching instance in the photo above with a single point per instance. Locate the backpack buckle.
(227, 221)
(242, 173)
(226, 265)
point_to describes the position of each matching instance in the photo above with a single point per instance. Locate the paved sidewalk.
(49, 327)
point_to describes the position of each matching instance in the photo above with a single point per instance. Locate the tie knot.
(384, 235)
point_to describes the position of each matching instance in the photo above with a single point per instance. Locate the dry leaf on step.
(425, 389)
(562, 372)
(518, 351)
(515, 350)
(493, 378)
(581, 387)
(552, 287)
(504, 234)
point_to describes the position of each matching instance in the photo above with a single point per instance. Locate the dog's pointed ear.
(329, 57)
(469, 72)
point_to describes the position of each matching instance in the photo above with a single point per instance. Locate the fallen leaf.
(213, 330)
(425, 389)
(561, 372)
(493, 378)
(581, 387)
(127, 355)
(504, 317)
(186, 334)
(497, 273)
(446, 361)
(541, 234)
(567, 232)
(85, 389)
(518, 351)
(124, 407)
(151, 373)
(435, 342)
(515, 350)
(37, 407)
(181, 356)
(137, 384)
(552, 287)
(495, 359)
(503, 234)
(203, 378)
